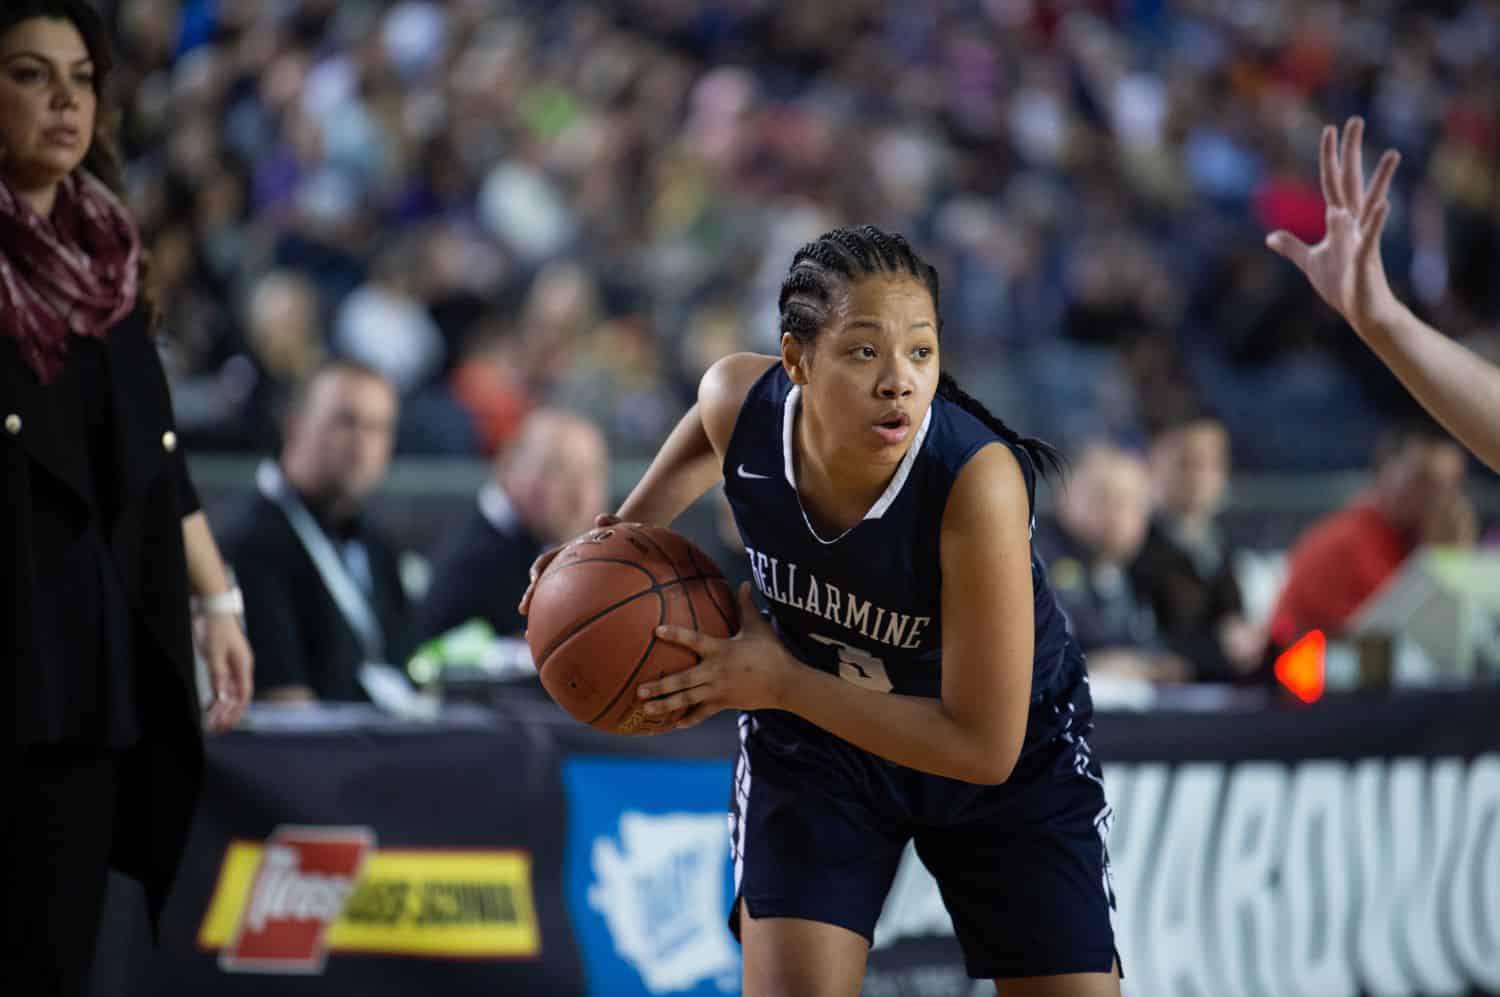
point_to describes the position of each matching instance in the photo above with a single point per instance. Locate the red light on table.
(1300, 667)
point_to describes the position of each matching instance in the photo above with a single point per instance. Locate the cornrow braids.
(819, 271)
(1045, 458)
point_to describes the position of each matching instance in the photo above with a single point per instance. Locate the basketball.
(594, 614)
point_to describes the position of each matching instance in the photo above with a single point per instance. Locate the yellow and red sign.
(283, 905)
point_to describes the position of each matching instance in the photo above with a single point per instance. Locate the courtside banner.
(274, 905)
(274, 911)
(1348, 848)
(646, 876)
(1351, 847)
(372, 860)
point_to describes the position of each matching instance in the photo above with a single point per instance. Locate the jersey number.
(857, 666)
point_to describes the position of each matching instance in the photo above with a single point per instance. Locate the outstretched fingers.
(1380, 186)
(1369, 235)
(1328, 166)
(1351, 165)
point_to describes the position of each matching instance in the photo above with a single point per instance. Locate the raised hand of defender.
(743, 672)
(1345, 268)
(545, 558)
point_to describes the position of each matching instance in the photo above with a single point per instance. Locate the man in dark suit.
(323, 592)
(548, 486)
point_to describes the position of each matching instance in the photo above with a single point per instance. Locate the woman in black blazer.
(102, 545)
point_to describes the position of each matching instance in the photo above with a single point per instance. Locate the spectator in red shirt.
(1417, 498)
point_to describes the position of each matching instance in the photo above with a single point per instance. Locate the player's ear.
(794, 358)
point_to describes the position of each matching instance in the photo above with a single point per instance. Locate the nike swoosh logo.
(750, 474)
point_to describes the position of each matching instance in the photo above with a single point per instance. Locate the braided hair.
(839, 257)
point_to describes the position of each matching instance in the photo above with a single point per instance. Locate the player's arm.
(975, 730)
(691, 460)
(988, 602)
(1459, 388)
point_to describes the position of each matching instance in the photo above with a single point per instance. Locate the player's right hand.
(748, 671)
(545, 558)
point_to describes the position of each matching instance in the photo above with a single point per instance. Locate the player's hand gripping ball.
(593, 613)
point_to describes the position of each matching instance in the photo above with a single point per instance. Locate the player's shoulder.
(722, 391)
(991, 479)
(957, 436)
(731, 377)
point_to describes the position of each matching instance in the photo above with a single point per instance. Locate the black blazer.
(1188, 606)
(40, 463)
(479, 573)
(296, 629)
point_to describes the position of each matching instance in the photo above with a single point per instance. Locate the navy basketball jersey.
(867, 605)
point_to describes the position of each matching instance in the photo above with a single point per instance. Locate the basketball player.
(887, 516)
(1460, 389)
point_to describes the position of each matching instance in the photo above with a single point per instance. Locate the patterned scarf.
(75, 272)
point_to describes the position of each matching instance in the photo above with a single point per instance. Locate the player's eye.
(922, 352)
(25, 74)
(865, 352)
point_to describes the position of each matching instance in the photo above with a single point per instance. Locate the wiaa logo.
(305, 877)
(661, 894)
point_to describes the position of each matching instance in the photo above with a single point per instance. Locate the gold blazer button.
(13, 424)
(169, 441)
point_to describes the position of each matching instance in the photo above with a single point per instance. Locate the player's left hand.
(1345, 268)
(231, 666)
(543, 559)
(745, 672)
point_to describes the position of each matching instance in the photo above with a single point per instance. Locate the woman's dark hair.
(103, 159)
(844, 255)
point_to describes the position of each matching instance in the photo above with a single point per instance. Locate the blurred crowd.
(508, 204)
(1153, 588)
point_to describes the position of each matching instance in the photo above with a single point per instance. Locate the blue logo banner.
(648, 878)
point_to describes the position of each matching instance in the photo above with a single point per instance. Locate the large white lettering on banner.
(1320, 879)
(661, 892)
